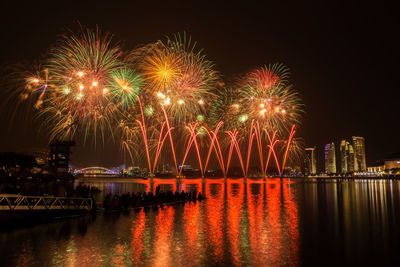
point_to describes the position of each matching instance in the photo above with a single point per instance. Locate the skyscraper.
(346, 157)
(359, 153)
(330, 158)
(351, 159)
(311, 161)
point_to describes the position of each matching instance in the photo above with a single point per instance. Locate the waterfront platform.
(18, 210)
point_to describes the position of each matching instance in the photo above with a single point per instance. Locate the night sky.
(343, 59)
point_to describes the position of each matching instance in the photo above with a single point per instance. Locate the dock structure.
(14, 202)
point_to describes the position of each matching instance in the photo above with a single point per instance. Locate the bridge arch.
(94, 170)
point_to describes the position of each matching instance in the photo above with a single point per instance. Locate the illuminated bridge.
(98, 171)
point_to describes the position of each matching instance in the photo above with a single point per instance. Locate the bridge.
(98, 171)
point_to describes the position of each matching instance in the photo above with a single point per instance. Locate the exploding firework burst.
(229, 109)
(125, 86)
(161, 69)
(181, 78)
(81, 70)
(269, 98)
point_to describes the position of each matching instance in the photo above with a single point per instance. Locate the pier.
(14, 202)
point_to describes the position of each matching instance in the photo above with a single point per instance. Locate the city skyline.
(349, 160)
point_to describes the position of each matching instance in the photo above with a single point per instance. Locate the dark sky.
(343, 58)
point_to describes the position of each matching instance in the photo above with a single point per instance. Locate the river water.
(272, 222)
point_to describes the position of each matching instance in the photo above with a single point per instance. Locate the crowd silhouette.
(142, 199)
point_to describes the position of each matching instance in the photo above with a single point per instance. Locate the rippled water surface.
(273, 222)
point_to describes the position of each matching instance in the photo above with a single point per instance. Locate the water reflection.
(242, 222)
(234, 206)
(138, 237)
(164, 235)
(193, 233)
(214, 216)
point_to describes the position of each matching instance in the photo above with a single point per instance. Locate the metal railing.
(13, 202)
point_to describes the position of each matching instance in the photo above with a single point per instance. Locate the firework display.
(165, 102)
(78, 85)
(182, 79)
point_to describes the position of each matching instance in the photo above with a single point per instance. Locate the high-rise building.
(359, 153)
(344, 149)
(351, 161)
(330, 158)
(310, 161)
(346, 157)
